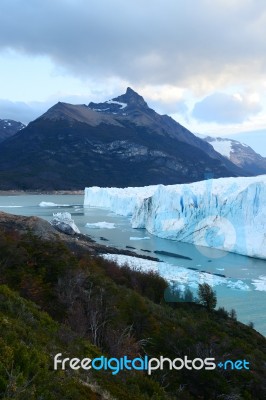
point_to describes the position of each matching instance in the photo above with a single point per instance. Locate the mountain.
(239, 153)
(8, 128)
(121, 142)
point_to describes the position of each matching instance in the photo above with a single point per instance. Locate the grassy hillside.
(56, 300)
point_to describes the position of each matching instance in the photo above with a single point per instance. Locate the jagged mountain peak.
(132, 98)
(128, 101)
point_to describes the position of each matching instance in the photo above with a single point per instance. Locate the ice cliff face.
(225, 213)
(120, 201)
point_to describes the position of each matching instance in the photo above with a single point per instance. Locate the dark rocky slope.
(8, 128)
(120, 143)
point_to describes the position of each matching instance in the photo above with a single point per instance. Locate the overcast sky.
(201, 61)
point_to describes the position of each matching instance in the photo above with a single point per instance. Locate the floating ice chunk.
(100, 225)
(260, 283)
(64, 223)
(50, 204)
(240, 285)
(139, 238)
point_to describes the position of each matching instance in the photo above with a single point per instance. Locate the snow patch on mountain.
(122, 105)
(223, 146)
(239, 154)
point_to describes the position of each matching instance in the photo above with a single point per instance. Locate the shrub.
(207, 296)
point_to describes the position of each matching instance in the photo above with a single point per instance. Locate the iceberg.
(260, 283)
(100, 225)
(50, 204)
(64, 223)
(226, 213)
(139, 238)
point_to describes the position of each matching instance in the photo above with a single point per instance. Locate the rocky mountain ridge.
(239, 153)
(8, 128)
(121, 142)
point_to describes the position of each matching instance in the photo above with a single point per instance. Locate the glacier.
(120, 201)
(226, 213)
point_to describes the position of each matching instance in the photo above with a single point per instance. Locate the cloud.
(178, 42)
(225, 108)
(165, 99)
(175, 107)
(20, 111)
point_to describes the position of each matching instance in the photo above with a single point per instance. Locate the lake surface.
(243, 287)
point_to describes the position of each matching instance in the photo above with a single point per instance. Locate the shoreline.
(40, 192)
(78, 242)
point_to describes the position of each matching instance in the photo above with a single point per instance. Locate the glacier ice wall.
(120, 201)
(225, 213)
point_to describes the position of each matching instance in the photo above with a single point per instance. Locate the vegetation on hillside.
(54, 300)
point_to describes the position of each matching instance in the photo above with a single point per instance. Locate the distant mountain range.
(239, 153)
(121, 142)
(8, 128)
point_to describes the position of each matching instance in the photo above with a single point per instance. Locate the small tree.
(188, 295)
(207, 296)
(232, 314)
(222, 312)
